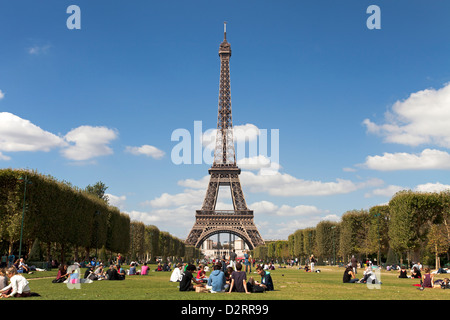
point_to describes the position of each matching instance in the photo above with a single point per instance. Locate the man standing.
(312, 262)
(233, 256)
(354, 263)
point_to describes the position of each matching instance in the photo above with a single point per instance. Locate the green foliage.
(58, 212)
(99, 190)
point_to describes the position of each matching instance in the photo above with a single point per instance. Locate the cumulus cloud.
(88, 142)
(3, 157)
(281, 184)
(391, 190)
(280, 230)
(82, 143)
(422, 118)
(116, 201)
(267, 207)
(388, 191)
(241, 133)
(188, 197)
(17, 134)
(146, 150)
(432, 187)
(427, 159)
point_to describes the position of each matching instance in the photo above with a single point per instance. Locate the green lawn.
(290, 284)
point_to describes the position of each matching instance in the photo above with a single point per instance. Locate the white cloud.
(178, 221)
(280, 184)
(39, 49)
(391, 190)
(3, 157)
(17, 134)
(432, 187)
(264, 207)
(147, 150)
(283, 229)
(254, 163)
(241, 133)
(422, 118)
(88, 142)
(80, 144)
(2, 94)
(195, 184)
(388, 191)
(427, 159)
(188, 197)
(116, 201)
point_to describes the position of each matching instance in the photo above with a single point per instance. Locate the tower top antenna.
(225, 30)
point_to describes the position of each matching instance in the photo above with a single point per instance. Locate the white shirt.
(18, 284)
(176, 275)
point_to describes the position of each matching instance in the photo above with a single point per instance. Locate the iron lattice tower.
(224, 172)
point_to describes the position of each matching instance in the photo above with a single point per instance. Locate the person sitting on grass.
(216, 280)
(132, 270)
(427, 279)
(441, 284)
(144, 269)
(349, 276)
(62, 274)
(266, 283)
(201, 274)
(177, 274)
(18, 286)
(112, 273)
(100, 273)
(238, 280)
(188, 283)
(415, 273)
(120, 272)
(403, 273)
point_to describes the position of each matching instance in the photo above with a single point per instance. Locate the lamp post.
(26, 182)
(378, 215)
(334, 246)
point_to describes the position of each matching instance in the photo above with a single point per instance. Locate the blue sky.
(360, 113)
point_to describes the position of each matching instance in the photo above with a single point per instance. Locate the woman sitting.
(18, 286)
(415, 273)
(349, 276)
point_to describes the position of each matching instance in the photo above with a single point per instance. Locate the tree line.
(56, 216)
(413, 226)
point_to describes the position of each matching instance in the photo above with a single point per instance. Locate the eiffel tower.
(224, 172)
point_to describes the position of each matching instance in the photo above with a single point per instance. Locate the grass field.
(290, 284)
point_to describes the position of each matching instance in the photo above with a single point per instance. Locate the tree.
(412, 214)
(378, 239)
(326, 240)
(353, 233)
(438, 242)
(99, 190)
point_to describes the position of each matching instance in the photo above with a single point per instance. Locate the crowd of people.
(222, 278)
(224, 275)
(426, 279)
